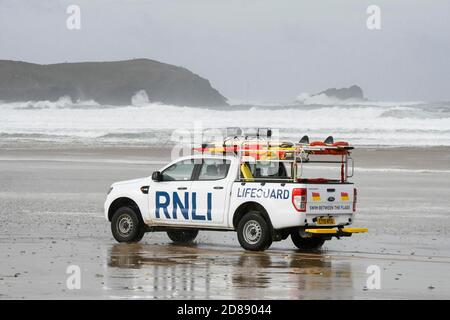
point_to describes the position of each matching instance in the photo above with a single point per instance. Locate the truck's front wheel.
(254, 232)
(182, 236)
(126, 225)
(306, 244)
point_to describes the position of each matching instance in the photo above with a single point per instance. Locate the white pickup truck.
(262, 201)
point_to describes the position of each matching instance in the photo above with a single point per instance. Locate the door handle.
(182, 188)
(218, 187)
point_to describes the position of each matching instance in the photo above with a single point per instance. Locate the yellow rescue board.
(333, 231)
(322, 231)
(355, 230)
(255, 150)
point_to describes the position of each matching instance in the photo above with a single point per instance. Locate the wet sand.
(51, 217)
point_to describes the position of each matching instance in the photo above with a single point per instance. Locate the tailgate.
(330, 199)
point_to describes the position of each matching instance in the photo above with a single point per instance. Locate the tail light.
(355, 195)
(299, 199)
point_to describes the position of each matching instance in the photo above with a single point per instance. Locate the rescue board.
(280, 150)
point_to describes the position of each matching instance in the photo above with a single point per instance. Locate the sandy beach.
(51, 218)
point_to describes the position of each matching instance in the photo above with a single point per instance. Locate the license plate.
(326, 221)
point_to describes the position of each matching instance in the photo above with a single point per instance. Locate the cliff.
(111, 83)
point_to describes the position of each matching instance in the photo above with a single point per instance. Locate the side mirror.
(156, 176)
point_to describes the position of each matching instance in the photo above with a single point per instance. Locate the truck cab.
(257, 189)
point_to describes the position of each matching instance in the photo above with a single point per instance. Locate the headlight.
(109, 191)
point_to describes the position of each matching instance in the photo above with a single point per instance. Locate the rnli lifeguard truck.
(253, 185)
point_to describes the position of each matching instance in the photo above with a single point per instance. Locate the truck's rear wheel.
(126, 226)
(182, 236)
(254, 232)
(306, 244)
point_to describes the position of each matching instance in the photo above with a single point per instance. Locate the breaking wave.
(364, 123)
(61, 103)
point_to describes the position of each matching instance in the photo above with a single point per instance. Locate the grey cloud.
(260, 49)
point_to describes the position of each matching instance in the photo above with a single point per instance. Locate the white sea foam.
(63, 102)
(364, 123)
(140, 98)
(323, 99)
(109, 161)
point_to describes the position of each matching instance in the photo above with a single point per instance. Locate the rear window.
(322, 167)
(269, 169)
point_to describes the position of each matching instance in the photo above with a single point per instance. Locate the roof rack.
(258, 147)
(262, 146)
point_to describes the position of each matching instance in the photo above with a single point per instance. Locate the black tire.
(182, 236)
(127, 226)
(307, 244)
(254, 233)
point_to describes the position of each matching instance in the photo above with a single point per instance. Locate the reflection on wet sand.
(169, 271)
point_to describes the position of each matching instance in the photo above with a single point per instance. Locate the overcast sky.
(250, 49)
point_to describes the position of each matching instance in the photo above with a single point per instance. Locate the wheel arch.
(247, 207)
(123, 202)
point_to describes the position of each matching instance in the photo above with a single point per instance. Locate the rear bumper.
(340, 219)
(291, 219)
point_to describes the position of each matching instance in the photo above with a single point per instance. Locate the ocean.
(368, 123)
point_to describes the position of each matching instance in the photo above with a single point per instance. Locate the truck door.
(212, 188)
(169, 199)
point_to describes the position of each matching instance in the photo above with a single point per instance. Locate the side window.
(180, 171)
(214, 169)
